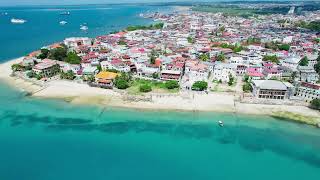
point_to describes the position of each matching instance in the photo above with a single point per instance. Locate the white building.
(291, 62)
(75, 42)
(222, 71)
(308, 91)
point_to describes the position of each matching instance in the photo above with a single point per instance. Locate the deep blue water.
(50, 139)
(43, 28)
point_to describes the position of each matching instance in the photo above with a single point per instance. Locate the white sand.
(83, 94)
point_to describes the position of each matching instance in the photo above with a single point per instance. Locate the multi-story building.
(46, 68)
(308, 91)
(271, 89)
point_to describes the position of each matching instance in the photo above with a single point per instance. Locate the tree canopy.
(315, 104)
(273, 59)
(304, 61)
(145, 88)
(200, 86)
(72, 58)
(171, 84)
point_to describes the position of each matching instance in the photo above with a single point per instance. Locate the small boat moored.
(63, 22)
(65, 13)
(18, 21)
(221, 123)
(84, 28)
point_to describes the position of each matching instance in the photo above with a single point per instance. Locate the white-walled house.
(222, 71)
(75, 42)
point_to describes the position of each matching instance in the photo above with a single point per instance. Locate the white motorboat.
(65, 13)
(84, 28)
(17, 21)
(221, 123)
(63, 22)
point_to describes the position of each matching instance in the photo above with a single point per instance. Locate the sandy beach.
(77, 93)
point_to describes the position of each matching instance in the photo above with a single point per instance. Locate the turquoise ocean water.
(50, 139)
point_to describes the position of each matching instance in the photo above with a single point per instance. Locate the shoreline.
(82, 94)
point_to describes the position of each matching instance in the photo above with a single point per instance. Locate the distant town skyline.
(73, 2)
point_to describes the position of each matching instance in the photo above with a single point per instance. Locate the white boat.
(84, 28)
(63, 22)
(17, 21)
(65, 13)
(220, 123)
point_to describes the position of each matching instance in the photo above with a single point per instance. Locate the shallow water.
(46, 139)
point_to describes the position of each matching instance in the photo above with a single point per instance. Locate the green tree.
(273, 59)
(58, 53)
(317, 67)
(123, 81)
(16, 67)
(200, 86)
(155, 75)
(90, 78)
(145, 88)
(38, 76)
(122, 43)
(315, 104)
(304, 61)
(220, 57)
(73, 58)
(44, 53)
(68, 75)
(171, 84)
(247, 87)
(204, 57)
(99, 68)
(284, 47)
(231, 80)
(30, 74)
(190, 40)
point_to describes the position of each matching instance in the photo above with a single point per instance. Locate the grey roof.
(271, 84)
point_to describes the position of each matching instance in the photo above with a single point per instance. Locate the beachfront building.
(223, 71)
(196, 70)
(271, 89)
(46, 68)
(105, 78)
(308, 91)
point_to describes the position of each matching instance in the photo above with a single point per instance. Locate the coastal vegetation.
(68, 75)
(145, 88)
(150, 27)
(315, 104)
(60, 53)
(200, 86)
(157, 86)
(123, 81)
